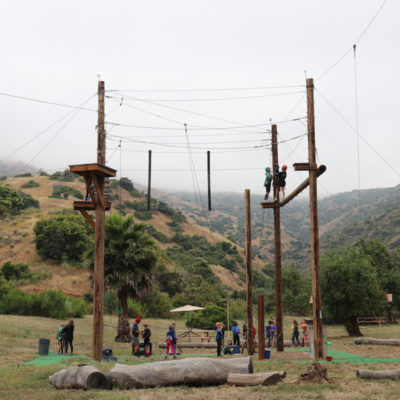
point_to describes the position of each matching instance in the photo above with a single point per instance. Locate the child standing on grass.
(305, 332)
(295, 335)
(60, 338)
(170, 339)
(146, 340)
(219, 338)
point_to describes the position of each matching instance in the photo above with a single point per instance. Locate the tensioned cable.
(356, 42)
(189, 111)
(354, 129)
(74, 114)
(195, 147)
(226, 98)
(45, 130)
(175, 129)
(357, 129)
(45, 102)
(205, 90)
(192, 169)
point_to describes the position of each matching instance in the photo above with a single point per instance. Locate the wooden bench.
(371, 320)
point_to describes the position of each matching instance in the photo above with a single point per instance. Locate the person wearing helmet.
(282, 180)
(267, 182)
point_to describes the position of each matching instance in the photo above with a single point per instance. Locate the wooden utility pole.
(261, 327)
(209, 180)
(316, 283)
(277, 243)
(149, 185)
(98, 275)
(249, 291)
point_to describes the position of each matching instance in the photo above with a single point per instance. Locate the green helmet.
(268, 169)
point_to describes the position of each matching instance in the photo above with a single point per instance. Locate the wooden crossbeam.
(88, 218)
(302, 186)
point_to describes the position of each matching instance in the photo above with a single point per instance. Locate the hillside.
(169, 230)
(339, 221)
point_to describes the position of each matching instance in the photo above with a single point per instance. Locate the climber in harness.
(267, 182)
(279, 181)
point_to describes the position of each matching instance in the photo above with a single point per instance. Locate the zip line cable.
(45, 130)
(224, 98)
(74, 114)
(357, 131)
(355, 43)
(187, 111)
(46, 102)
(205, 90)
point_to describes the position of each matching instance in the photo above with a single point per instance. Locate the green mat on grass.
(53, 358)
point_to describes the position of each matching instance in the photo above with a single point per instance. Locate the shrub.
(64, 192)
(135, 309)
(30, 184)
(16, 271)
(76, 308)
(28, 201)
(157, 304)
(62, 237)
(207, 318)
(11, 201)
(24, 175)
(3, 178)
(63, 176)
(143, 215)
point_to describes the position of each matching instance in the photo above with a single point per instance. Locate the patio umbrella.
(186, 309)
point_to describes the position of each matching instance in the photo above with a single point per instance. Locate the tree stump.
(194, 371)
(79, 377)
(315, 373)
(263, 378)
(393, 374)
(385, 342)
(124, 330)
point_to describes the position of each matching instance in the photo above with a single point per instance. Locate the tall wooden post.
(261, 327)
(149, 185)
(249, 291)
(209, 180)
(316, 284)
(98, 275)
(277, 244)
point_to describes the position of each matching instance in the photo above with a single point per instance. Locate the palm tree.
(129, 259)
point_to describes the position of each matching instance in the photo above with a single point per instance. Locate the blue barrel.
(267, 354)
(236, 349)
(44, 345)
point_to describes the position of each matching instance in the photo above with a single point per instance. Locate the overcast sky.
(146, 51)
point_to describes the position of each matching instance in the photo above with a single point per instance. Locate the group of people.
(229, 348)
(279, 178)
(146, 335)
(65, 337)
(296, 333)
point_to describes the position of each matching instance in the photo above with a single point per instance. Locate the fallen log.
(192, 345)
(196, 371)
(263, 378)
(393, 374)
(79, 377)
(369, 340)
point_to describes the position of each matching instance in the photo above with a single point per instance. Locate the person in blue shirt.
(273, 332)
(236, 334)
(170, 339)
(268, 330)
(219, 338)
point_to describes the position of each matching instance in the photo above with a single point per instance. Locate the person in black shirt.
(146, 340)
(69, 336)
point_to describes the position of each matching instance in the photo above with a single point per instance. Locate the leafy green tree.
(62, 237)
(10, 201)
(207, 318)
(15, 271)
(296, 291)
(350, 287)
(129, 261)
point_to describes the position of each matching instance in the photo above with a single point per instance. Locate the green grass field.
(19, 380)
